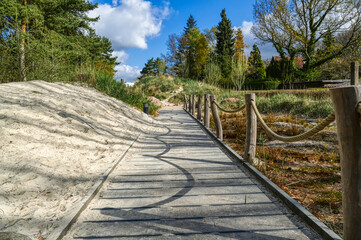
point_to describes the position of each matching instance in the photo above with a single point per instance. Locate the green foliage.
(197, 53)
(188, 52)
(50, 40)
(310, 29)
(239, 71)
(271, 84)
(154, 68)
(257, 70)
(225, 46)
(105, 83)
(283, 70)
(195, 87)
(292, 104)
(158, 86)
(191, 23)
(212, 71)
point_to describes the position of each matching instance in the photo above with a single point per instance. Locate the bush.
(269, 84)
(130, 95)
(158, 86)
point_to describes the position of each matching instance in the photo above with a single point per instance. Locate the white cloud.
(121, 56)
(128, 23)
(247, 27)
(128, 73)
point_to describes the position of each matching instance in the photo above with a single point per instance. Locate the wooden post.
(190, 103)
(193, 105)
(206, 110)
(199, 108)
(346, 102)
(185, 102)
(251, 130)
(217, 120)
(355, 73)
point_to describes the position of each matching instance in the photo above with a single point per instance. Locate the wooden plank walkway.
(182, 186)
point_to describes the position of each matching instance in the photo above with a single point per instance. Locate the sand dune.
(55, 141)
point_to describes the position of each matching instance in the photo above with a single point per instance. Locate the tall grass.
(130, 95)
(310, 106)
(309, 103)
(314, 103)
(159, 86)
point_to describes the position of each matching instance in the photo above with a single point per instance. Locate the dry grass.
(311, 175)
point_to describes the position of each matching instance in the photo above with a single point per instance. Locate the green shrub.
(130, 95)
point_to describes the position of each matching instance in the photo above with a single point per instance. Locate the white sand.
(55, 141)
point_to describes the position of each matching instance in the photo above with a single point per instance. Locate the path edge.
(314, 223)
(67, 222)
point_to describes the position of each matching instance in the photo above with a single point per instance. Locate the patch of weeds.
(328, 197)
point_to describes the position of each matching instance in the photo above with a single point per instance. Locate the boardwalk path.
(182, 186)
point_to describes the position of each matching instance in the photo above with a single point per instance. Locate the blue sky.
(139, 29)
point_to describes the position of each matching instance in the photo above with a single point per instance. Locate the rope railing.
(329, 119)
(229, 111)
(347, 109)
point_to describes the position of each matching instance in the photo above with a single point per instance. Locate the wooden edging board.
(318, 226)
(68, 221)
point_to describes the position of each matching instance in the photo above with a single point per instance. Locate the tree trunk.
(22, 47)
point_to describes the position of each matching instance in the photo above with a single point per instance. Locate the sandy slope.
(56, 140)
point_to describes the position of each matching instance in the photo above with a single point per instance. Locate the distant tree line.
(325, 34)
(314, 39)
(50, 40)
(215, 56)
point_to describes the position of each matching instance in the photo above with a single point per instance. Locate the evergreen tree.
(191, 23)
(256, 66)
(154, 67)
(148, 68)
(225, 46)
(179, 48)
(191, 33)
(282, 70)
(159, 66)
(50, 39)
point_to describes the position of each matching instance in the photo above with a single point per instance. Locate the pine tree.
(50, 39)
(148, 68)
(180, 52)
(154, 67)
(191, 33)
(256, 66)
(191, 23)
(159, 66)
(225, 46)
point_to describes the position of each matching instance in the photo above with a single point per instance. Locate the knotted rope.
(330, 118)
